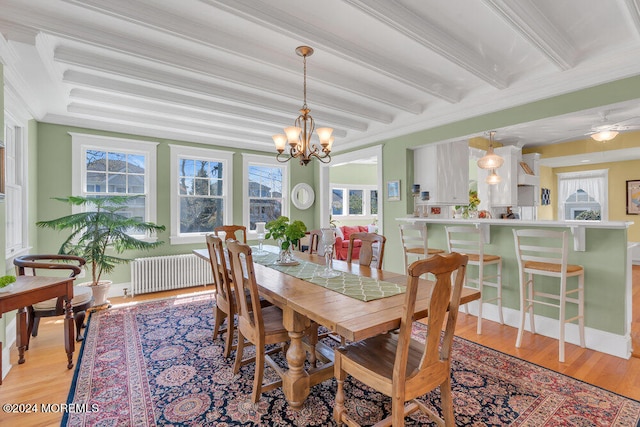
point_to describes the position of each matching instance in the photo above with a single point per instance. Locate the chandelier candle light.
(299, 136)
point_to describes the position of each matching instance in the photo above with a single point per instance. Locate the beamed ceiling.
(224, 72)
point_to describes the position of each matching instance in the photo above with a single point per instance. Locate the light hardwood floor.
(44, 379)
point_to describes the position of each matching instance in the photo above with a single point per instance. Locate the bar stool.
(415, 242)
(545, 253)
(469, 241)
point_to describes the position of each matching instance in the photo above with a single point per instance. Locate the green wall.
(354, 174)
(54, 180)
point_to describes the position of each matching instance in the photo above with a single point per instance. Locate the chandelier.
(490, 160)
(299, 135)
(605, 135)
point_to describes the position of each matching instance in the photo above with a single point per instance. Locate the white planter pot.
(100, 291)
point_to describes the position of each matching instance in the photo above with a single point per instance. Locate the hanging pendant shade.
(493, 178)
(490, 160)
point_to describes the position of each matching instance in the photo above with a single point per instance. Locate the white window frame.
(366, 189)
(82, 142)
(224, 157)
(269, 161)
(604, 202)
(17, 182)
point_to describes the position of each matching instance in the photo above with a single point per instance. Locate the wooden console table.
(28, 290)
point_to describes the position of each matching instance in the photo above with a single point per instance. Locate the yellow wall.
(619, 173)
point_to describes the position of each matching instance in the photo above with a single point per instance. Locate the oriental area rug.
(156, 364)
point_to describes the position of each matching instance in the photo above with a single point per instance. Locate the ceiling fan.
(607, 130)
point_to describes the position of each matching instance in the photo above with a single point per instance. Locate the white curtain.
(595, 183)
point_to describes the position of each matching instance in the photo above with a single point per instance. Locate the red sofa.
(342, 240)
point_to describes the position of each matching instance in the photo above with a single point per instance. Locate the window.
(201, 196)
(13, 187)
(114, 166)
(266, 187)
(583, 195)
(354, 200)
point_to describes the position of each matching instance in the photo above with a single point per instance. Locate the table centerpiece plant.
(99, 233)
(287, 233)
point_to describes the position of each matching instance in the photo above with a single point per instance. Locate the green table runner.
(358, 287)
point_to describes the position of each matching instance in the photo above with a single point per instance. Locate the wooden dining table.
(303, 302)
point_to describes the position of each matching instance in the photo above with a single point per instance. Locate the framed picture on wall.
(633, 197)
(393, 191)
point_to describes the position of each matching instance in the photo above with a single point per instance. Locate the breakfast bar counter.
(601, 247)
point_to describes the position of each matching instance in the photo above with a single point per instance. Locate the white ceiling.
(225, 72)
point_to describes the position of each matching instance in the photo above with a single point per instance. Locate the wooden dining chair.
(397, 364)
(82, 295)
(314, 240)
(225, 296)
(260, 326)
(231, 232)
(372, 248)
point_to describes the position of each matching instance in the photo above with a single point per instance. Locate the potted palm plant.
(100, 233)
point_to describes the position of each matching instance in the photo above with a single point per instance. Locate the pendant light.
(493, 178)
(490, 160)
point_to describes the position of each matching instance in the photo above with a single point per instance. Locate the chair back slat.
(220, 272)
(541, 246)
(372, 247)
(49, 262)
(414, 236)
(231, 232)
(250, 322)
(465, 240)
(443, 307)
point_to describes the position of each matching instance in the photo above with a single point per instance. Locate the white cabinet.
(443, 170)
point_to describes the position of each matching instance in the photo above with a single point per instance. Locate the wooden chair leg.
(79, 319)
(239, 353)
(258, 374)
(229, 340)
(219, 318)
(447, 402)
(34, 326)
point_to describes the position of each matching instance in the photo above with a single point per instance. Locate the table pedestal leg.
(295, 382)
(22, 332)
(69, 332)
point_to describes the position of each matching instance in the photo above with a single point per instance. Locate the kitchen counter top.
(520, 222)
(578, 228)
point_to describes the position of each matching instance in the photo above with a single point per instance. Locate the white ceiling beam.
(427, 33)
(633, 9)
(527, 19)
(82, 79)
(137, 13)
(155, 75)
(88, 97)
(155, 132)
(141, 118)
(261, 13)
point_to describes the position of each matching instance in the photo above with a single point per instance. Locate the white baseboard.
(10, 336)
(595, 339)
